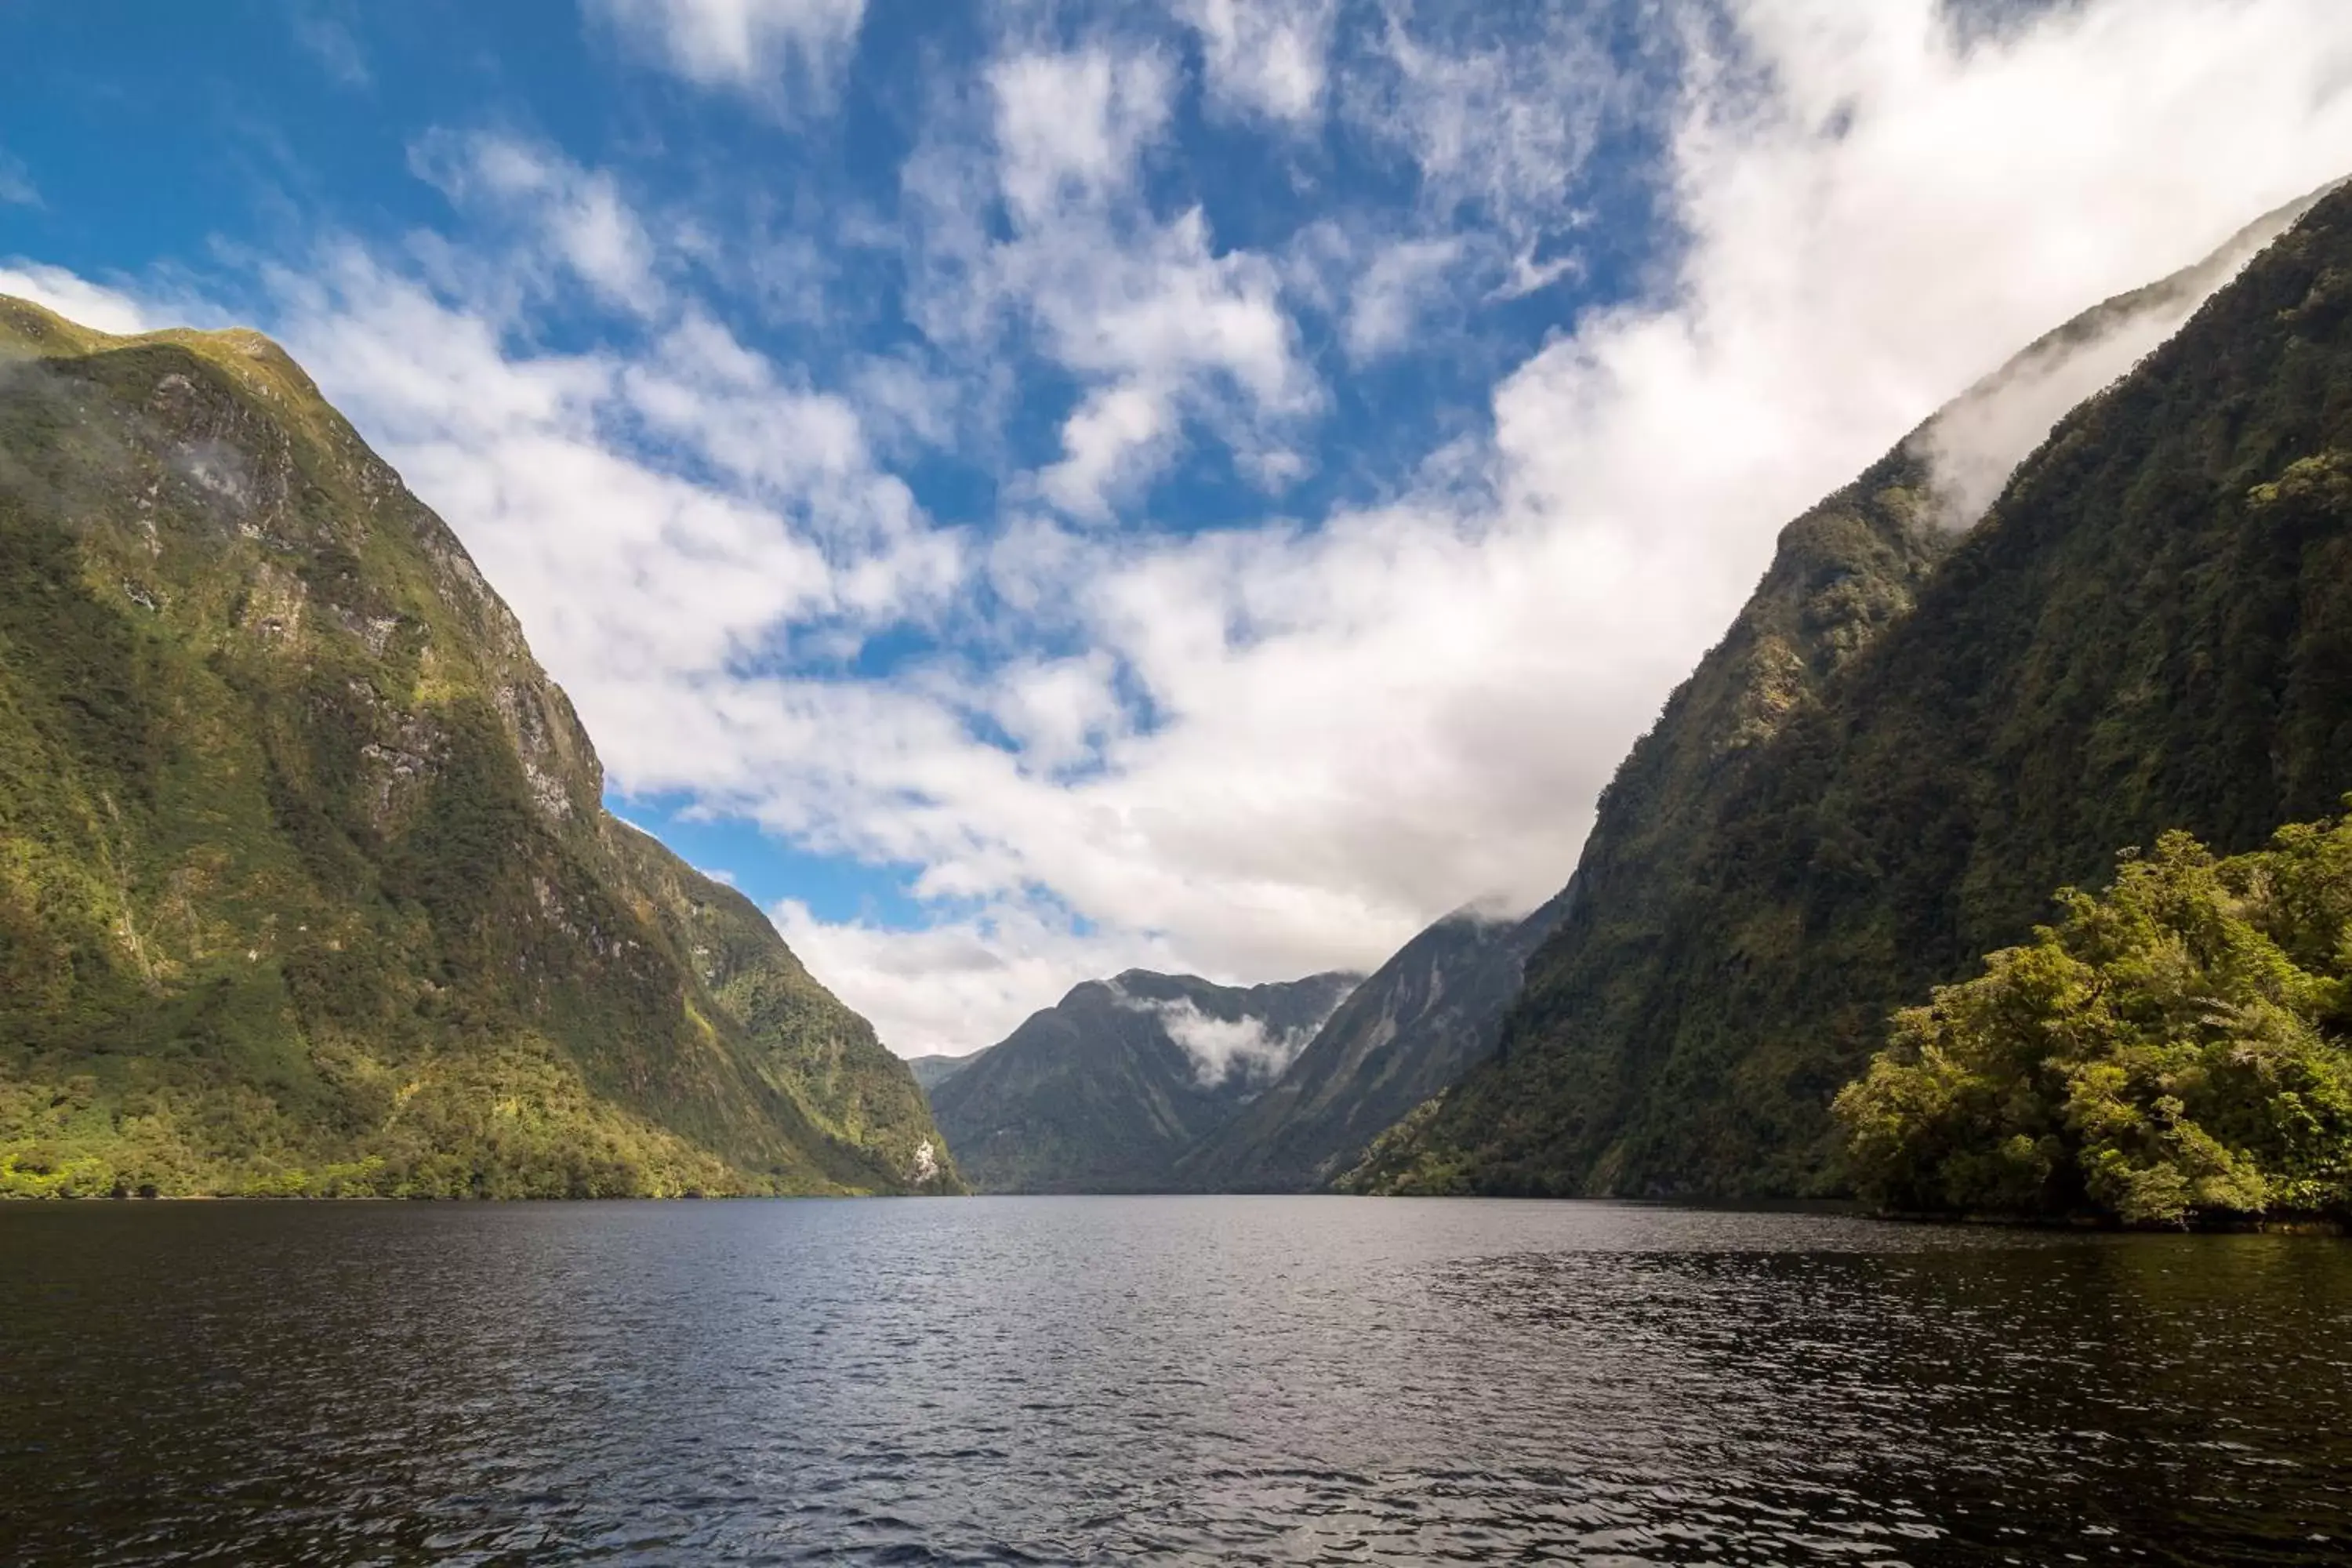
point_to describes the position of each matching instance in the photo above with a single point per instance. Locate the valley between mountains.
(307, 886)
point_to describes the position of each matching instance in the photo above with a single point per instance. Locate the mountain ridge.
(306, 884)
(1105, 1090)
(1416, 1024)
(1907, 738)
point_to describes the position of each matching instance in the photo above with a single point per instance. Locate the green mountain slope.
(1102, 1093)
(1417, 1024)
(305, 883)
(1907, 741)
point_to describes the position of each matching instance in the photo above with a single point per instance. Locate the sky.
(1026, 492)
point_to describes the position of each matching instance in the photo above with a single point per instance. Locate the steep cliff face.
(1420, 1022)
(305, 881)
(1908, 739)
(1103, 1092)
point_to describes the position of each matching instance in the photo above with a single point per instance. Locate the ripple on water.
(1242, 1379)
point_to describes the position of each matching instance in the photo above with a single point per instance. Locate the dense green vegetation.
(305, 882)
(2175, 1048)
(1907, 740)
(1098, 1093)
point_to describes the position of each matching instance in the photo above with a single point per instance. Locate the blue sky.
(1031, 489)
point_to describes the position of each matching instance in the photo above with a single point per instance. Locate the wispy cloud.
(1165, 330)
(16, 187)
(1386, 304)
(329, 37)
(565, 216)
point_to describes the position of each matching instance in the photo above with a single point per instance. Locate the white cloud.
(1161, 326)
(1389, 297)
(1220, 1046)
(1056, 712)
(1357, 726)
(1264, 57)
(571, 217)
(961, 979)
(761, 45)
(1070, 126)
(1978, 440)
(74, 298)
(1500, 124)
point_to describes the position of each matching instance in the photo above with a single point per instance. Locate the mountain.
(934, 1071)
(1421, 1020)
(305, 881)
(1102, 1093)
(1909, 737)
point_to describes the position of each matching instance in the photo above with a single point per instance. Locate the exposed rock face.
(306, 883)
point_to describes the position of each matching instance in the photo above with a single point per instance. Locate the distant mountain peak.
(1105, 1091)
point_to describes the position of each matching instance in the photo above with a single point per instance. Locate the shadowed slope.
(1421, 1020)
(1103, 1090)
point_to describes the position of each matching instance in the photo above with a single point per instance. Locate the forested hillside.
(1908, 739)
(306, 885)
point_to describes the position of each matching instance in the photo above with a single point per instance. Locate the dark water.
(1240, 1379)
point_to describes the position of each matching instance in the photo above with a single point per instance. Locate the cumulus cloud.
(759, 46)
(1069, 126)
(1361, 723)
(1160, 324)
(964, 981)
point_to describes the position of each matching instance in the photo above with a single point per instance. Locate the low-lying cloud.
(1976, 443)
(1221, 1047)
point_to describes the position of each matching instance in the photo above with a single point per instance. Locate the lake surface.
(1109, 1379)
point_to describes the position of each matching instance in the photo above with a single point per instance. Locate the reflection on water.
(1245, 1379)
